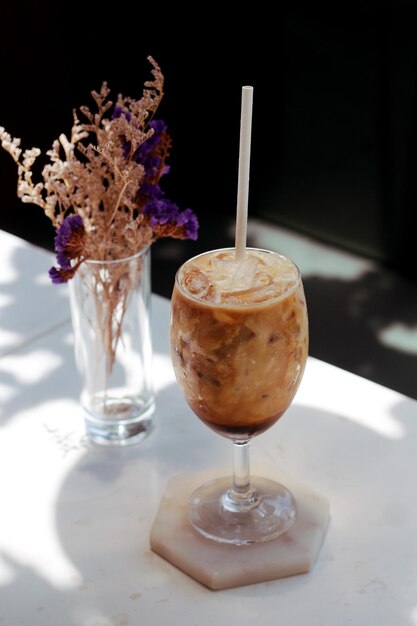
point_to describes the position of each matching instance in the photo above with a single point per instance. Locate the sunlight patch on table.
(7, 573)
(359, 400)
(93, 617)
(42, 433)
(10, 245)
(163, 372)
(312, 257)
(6, 299)
(400, 337)
(32, 367)
(8, 340)
(7, 392)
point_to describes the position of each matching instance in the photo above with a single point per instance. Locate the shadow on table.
(350, 318)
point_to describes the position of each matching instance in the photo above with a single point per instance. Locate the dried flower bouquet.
(108, 176)
(101, 190)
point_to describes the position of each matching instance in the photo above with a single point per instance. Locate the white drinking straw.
(243, 177)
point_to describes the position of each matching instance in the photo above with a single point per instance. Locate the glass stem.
(241, 493)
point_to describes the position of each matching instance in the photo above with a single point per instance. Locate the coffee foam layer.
(218, 278)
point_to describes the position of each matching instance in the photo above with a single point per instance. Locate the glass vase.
(110, 310)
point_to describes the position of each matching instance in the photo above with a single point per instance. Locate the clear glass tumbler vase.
(110, 310)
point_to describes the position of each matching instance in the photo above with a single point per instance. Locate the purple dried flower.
(164, 216)
(119, 111)
(69, 244)
(149, 191)
(148, 153)
(189, 220)
(167, 220)
(63, 260)
(59, 275)
(71, 228)
(158, 126)
(161, 211)
(55, 276)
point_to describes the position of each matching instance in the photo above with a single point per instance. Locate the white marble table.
(75, 519)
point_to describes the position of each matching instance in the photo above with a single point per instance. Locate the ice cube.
(196, 282)
(244, 276)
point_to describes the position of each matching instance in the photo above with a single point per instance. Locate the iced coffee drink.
(239, 338)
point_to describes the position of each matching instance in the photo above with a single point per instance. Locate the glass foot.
(216, 514)
(120, 422)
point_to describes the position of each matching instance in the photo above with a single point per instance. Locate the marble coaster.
(220, 566)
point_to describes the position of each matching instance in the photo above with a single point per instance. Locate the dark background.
(333, 141)
(335, 103)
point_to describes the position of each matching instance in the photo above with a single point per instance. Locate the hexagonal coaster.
(219, 566)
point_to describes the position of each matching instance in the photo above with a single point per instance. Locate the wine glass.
(239, 343)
